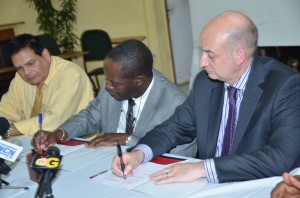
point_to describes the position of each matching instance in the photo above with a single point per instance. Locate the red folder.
(164, 160)
(72, 142)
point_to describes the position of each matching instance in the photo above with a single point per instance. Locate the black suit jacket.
(267, 135)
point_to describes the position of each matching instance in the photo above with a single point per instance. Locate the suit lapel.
(113, 116)
(215, 112)
(251, 97)
(150, 108)
(150, 105)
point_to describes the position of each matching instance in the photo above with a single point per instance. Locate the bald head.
(236, 29)
(228, 43)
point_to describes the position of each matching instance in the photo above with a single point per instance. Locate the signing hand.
(180, 172)
(131, 160)
(107, 139)
(45, 139)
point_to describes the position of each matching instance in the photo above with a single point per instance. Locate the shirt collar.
(241, 83)
(143, 97)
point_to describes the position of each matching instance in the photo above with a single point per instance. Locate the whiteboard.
(278, 21)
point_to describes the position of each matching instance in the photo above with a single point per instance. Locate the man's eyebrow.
(114, 82)
(29, 62)
(207, 51)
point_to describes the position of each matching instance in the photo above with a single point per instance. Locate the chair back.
(50, 43)
(97, 43)
(5, 60)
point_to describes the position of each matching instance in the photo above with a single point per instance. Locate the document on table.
(64, 150)
(86, 156)
(140, 176)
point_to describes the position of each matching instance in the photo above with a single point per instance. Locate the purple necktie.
(230, 125)
(129, 117)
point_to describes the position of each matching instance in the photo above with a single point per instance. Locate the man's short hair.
(23, 41)
(134, 57)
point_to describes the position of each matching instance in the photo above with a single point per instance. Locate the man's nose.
(203, 60)
(26, 71)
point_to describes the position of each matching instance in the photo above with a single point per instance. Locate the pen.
(93, 176)
(40, 123)
(121, 159)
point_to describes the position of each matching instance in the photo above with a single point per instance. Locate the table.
(121, 39)
(81, 163)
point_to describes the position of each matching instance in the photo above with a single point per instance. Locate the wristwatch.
(64, 135)
(7, 135)
(128, 139)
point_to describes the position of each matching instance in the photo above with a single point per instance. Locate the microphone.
(4, 126)
(10, 152)
(46, 165)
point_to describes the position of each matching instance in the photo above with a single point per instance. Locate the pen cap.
(40, 118)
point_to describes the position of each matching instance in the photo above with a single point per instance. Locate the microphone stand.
(45, 185)
(4, 169)
(48, 188)
(41, 187)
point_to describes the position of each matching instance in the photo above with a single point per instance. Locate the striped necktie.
(129, 117)
(37, 105)
(230, 125)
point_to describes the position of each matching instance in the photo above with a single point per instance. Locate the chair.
(50, 43)
(5, 61)
(97, 43)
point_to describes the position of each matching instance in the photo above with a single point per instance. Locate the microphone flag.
(9, 151)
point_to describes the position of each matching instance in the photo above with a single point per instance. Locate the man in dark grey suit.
(129, 75)
(264, 126)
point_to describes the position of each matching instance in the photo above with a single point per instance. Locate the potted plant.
(59, 23)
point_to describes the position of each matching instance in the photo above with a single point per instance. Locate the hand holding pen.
(119, 151)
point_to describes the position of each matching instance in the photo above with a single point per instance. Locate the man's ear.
(46, 54)
(139, 80)
(240, 56)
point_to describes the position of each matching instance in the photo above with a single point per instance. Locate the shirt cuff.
(146, 150)
(295, 171)
(211, 172)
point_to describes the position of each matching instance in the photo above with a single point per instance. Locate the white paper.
(140, 176)
(26, 144)
(64, 149)
(173, 189)
(84, 157)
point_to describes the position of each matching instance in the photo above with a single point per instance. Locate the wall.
(118, 17)
(277, 21)
(181, 38)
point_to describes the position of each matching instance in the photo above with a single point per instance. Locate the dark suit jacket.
(103, 114)
(267, 135)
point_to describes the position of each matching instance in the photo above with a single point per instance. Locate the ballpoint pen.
(97, 174)
(40, 131)
(121, 159)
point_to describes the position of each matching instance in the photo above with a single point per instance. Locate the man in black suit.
(263, 139)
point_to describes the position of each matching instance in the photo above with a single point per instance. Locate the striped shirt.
(240, 85)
